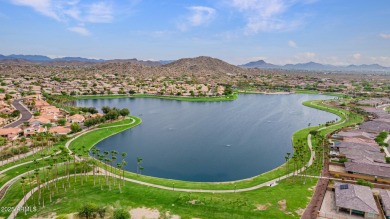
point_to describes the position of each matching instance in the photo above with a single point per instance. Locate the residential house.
(384, 196)
(10, 133)
(375, 126)
(368, 167)
(59, 130)
(77, 118)
(6, 110)
(356, 199)
(33, 129)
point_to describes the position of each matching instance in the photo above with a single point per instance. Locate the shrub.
(364, 183)
(121, 214)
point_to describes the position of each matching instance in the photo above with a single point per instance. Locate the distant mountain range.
(40, 58)
(313, 66)
(196, 63)
(46, 59)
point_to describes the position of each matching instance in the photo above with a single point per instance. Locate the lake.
(211, 141)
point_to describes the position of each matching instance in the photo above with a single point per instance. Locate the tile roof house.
(60, 130)
(384, 196)
(33, 130)
(39, 120)
(356, 199)
(77, 118)
(10, 133)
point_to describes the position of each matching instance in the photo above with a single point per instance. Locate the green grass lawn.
(190, 99)
(231, 205)
(15, 192)
(121, 122)
(45, 152)
(90, 97)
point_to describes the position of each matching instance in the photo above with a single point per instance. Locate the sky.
(337, 32)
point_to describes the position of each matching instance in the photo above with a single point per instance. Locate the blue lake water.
(211, 141)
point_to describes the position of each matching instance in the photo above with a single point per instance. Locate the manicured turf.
(232, 205)
(40, 154)
(121, 122)
(190, 99)
(90, 97)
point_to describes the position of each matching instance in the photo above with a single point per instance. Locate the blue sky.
(278, 31)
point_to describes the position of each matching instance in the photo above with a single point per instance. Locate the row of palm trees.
(298, 158)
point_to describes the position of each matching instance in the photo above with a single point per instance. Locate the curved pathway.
(27, 162)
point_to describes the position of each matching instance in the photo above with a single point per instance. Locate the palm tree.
(123, 171)
(119, 165)
(22, 182)
(288, 161)
(123, 164)
(31, 180)
(113, 160)
(36, 173)
(49, 168)
(105, 155)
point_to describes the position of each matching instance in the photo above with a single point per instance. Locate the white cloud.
(199, 15)
(292, 44)
(267, 15)
(72, 11)
(357, 56)
(99, 13)
(80, 30)
(385, 35)
(44, 7)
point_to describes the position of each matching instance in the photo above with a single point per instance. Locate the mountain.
(78, 59)
(314, 66)
(259, 64)
(40, 58)
(204, 65)
(33, 58)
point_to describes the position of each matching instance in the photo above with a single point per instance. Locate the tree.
(106, 109)
(15, 113)
(75, 127)
(124, 112)
(228, 90)
(61, 122)
(112, 115)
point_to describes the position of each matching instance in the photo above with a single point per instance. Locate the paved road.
(26, 115)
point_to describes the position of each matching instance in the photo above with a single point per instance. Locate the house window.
(370, 215)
